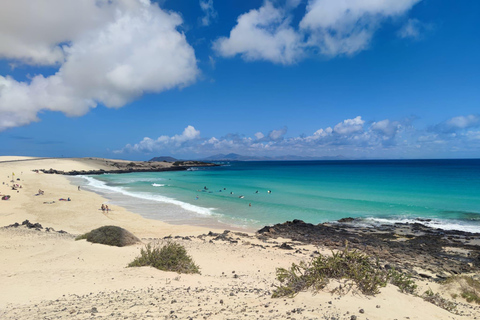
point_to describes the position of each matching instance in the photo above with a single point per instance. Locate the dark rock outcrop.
(133, 166)
(402, 245)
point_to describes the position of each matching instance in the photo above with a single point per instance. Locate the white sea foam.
(432, 223)
(157, 185)
(103, 187)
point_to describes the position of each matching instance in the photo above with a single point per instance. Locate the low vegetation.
(111, 236)
(469, 288)
(357, 268)
(169, 257)
(439, 301)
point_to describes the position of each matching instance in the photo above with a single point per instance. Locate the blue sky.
(135, 79)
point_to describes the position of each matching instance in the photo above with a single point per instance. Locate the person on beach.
(106, 208)
(78, 188)
(102, 207)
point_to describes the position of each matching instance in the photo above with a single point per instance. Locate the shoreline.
(129, 202)
(84, 279)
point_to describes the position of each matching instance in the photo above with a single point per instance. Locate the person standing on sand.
(78, 188)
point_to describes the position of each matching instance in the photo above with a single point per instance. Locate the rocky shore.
(438, 253)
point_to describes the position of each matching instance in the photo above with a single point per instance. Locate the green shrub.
(110, 235)
(403, 281)
(357, 268)
(82, 237)
(170, 257)
(346, 264)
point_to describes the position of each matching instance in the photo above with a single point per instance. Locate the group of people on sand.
(104, 208)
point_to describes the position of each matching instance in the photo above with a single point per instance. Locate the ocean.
(249, 195)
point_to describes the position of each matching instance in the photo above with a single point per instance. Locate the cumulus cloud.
(209, 12)
(328, 26)
(113, 53)
(277, 135)
(353, 137)
(350, 133)
(32, 31)
(148, 145)
(346, 27)
(457, 124)
(259, 135)
(387, 128)
(262, 34)
(349, 126)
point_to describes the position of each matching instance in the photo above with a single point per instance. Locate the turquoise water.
(446, 191)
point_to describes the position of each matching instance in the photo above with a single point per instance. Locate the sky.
(135, 79)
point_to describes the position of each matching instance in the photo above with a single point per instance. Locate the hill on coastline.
(161, 159)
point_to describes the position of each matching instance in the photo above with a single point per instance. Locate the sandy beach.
(49, 275)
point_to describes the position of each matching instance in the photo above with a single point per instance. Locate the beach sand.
(49, 275)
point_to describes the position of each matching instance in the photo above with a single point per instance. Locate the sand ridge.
(49, 275)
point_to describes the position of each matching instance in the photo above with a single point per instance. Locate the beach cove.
(46, 274)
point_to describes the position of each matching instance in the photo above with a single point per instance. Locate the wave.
(100, 185)
(432, 223)
(157, 185)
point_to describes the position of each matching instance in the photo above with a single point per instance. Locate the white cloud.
(457, 124)
(349, 126)
(148, 145)
(259, 135)
(32, 31)
(346, 27)
(386, 127)
(277, 135)
(208, 11)
(131, 47)
(351, 138)
(414, 29)
(263, 34)
(462, 122)
(329, 26)
(411, 29)
(321, 133)
(473, 135)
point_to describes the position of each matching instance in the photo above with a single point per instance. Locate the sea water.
(439, 193)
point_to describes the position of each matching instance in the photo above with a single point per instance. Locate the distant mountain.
(238, 157)
(161, 159)
(227, 157)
